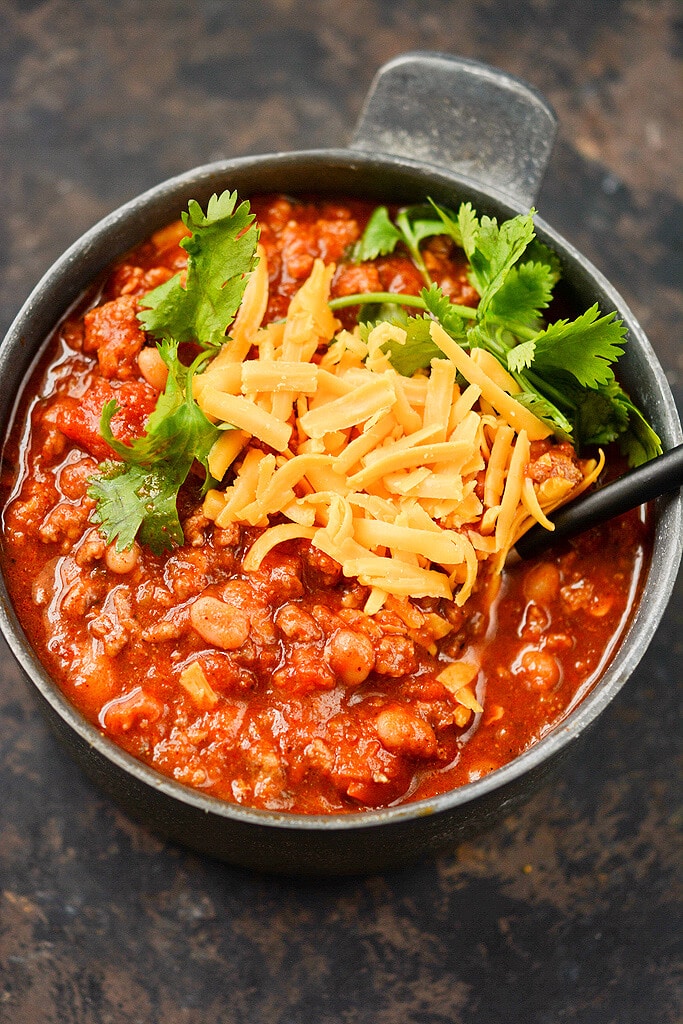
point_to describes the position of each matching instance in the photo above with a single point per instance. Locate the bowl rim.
(634, 641)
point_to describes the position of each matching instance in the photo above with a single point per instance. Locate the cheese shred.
(411, 484)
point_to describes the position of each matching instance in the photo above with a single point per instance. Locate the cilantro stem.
(361, 298)
(546, 390)
(404, 225)
(398, 299)
(192, 369)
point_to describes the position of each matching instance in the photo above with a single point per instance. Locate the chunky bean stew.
(289, 685)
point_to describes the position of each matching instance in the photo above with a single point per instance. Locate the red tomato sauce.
(319, 707)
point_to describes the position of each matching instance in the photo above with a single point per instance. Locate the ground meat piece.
(195, 529)
(395, 656)
(43, 585)
(298, 247)
(65, 522)
(90, 549)
(556, 461)
(363, 768)
(112, 634)
(24, 517)
(326, 619)
(319, 569)
(399, 274)
(356, 278)
(391, 624)
(159, 632)
(447, 266)
(224, 675)
(362, 623)
(72, 333)
(78, 418)
(80, 597)
(303, 671)
(245, 599)
(114, 333)
(284, 579)
(73, 478)
(136, 281)
(136, 707)
(187, 572)
(226, 536)
(297, 624)
(335, 235)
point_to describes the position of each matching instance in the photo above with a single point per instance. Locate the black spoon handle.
(659, 476)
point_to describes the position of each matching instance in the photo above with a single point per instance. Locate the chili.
(312, 705)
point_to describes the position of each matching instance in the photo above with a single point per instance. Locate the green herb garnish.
(564, 369)
(221, 251)
(138, 496)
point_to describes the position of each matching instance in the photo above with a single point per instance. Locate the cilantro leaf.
(418, 350)
(221, 253)
(584, 348)
(133, 501)
(449, 223)
(526, 290)
(373, 313)
(468, 227)
(495, 251)
(521, 356)
(606, 414)
(600, 417)
(442, 309)
(538, 252)
(415, 227)
(640, 442)
(379, 238)
(546, 411)
(139, 495)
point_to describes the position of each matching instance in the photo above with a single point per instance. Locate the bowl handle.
(462, 116)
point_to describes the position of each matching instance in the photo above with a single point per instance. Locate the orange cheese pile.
(409, 483)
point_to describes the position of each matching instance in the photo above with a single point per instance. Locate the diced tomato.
(79, 419)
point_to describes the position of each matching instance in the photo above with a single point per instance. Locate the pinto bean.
(122, 562)
(540, 669)
(222, 625)
(403, 732)
(153, 368)
(350, 655)
(542, 583)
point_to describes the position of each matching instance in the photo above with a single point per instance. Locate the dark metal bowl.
(433, 125)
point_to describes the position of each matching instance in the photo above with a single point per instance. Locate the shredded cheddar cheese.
(410, 484)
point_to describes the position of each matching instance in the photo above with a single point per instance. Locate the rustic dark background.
(567, 912)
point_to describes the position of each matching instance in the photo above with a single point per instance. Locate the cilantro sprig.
(137, 496)
(381, 236)
(221, 252)
(564, 369)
